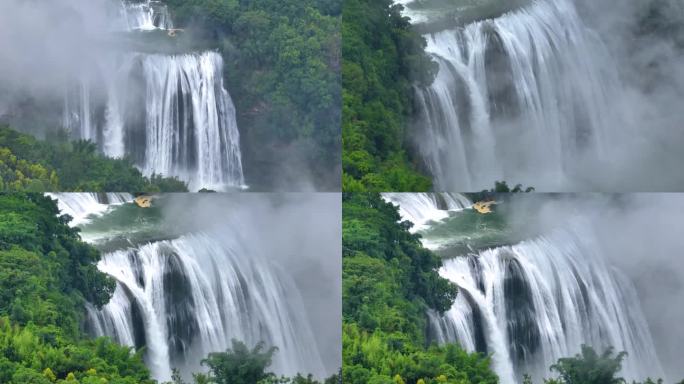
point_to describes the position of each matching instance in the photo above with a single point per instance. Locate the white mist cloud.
(44, 43)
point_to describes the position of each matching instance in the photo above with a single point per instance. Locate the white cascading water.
(530, 304)
(181, 299)
(187, 297)
(536, 78)
(82, 206)
(212, 124)
(170, 113)
(424, 208)
(145, 16)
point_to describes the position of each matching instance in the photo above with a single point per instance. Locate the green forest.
(383, 56)
(389, 282)
(47, 274)
(58, 164)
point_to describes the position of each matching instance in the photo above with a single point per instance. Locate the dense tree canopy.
(382, 58)
(242, 365)
(389, 281)
(590, 367)
(57, 164)
(46, 276)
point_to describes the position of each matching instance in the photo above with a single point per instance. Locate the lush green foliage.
(57, 164)
(46, 275)
(22, 175)
(43, 259)
(588, 367)
(41, 355)
(241, 365)
(382, 58)
(282, 68)
(389, 281)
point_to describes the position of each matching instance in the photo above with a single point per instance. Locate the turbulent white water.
(82, 206)
(187, 297)
(145, 16)
(424, 208)
(170, 113)
(521, 97)
(540, 300)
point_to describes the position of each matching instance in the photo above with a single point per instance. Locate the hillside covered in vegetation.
(46, 276)
(382, 58)
(389, 282)
(57, 164)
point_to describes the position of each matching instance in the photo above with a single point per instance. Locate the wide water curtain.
(519, 97)
(184, 298)
(170, 113)
(191, 294)
(530, 304)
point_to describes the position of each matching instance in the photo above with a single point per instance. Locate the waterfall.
(184, 298)
(540, 300)
(145, 16)
(423, 208)
(171, 114)
(191, 128)
(82, 206)
(536, 78)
